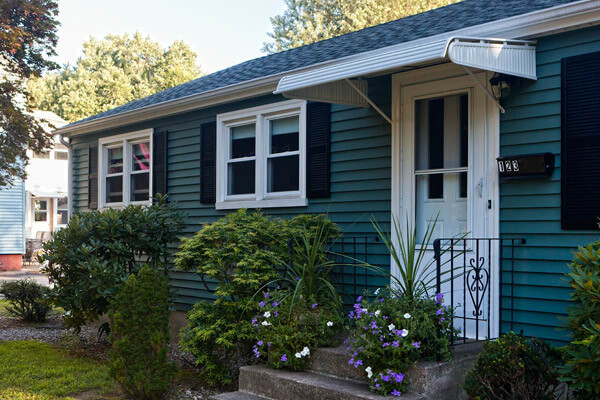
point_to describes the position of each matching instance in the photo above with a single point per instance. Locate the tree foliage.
(27, 39)
(309, 21)
(113, 71)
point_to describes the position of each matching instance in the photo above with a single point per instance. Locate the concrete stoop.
(331, 377)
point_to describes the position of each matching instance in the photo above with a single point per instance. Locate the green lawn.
(38, 371)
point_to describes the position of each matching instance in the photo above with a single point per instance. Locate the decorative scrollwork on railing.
(478, 279)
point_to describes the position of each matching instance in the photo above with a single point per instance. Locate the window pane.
(243, 141)
(284, 174)
(241, 178)
(62, 217)
(61, 155)
(62, 203)
(284, 134)
(451, 206)
(44, 155)
(115, 160)
(41, 205)
(441, 132)
(140, 153)
(41, 216)
(140, 187)
(114, 189)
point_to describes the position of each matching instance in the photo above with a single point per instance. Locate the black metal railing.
(350, 275)
(465, 274)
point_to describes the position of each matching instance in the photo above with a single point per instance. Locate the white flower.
(369, 372)
(404, 333)
(377, 313)
(267, 314)
(391, 327)
(329, 323)
(266, 323)
(377, 291)
(305, 351)
(298, 355)
(407, 315)
(364, 310)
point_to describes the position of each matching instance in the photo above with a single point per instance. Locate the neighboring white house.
(46, 185)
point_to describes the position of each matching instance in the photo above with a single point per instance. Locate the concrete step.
(435, 380)
(237, 396)
(289, 385)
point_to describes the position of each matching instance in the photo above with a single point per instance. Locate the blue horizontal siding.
(12, 218)
(531, 209)
(360, 174)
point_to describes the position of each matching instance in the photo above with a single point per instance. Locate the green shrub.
(390, 333)
(26, 299)
(515, 367)
(239, 253)
(95, 253)
(140, 334)
(582, 369)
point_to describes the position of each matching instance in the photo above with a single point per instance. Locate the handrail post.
(438, 284)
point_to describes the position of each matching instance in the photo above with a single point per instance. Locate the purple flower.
(439, 312)
(359, 299)
(284, 358)
(260, 343)
(275, 313)
(381, 300)
(386, 344)
(267, 295)
(275, 304)
(386, 378)
(439, 298)
(442, 319)
(396, 393)
(397, 377)
(416, 344)
(396, 343)
(261, 304)
(357, 363)
(377, 385)
(314, 305)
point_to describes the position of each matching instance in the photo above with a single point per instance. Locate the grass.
(38, 371)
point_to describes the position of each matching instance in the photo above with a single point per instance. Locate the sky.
(221, 32)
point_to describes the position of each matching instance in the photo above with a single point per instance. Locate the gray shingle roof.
(446, 19)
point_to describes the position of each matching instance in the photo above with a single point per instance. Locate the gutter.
(538, 23)
(62, 140)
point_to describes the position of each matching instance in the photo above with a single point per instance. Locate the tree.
(27, 39)
(113, 71)
(309, 21)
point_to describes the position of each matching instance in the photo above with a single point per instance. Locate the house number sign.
(527, 166)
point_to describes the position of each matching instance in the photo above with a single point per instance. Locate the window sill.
(267, 203)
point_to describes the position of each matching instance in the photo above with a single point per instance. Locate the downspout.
(62, 140)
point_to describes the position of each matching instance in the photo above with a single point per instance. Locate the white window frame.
(46, 211)
(126, 141)
(260, 116)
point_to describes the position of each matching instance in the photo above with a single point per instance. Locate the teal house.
(485, 114)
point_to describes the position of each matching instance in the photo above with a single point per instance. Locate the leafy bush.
(514, 367)
(97, 251)
(239, 253)
(582, 369)
(391, 333)
(27, 299)
(140, 334)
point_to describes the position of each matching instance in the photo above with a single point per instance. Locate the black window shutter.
(208, 162)
(580, 156)
(159, 163)
(93, 178)
(318, 132)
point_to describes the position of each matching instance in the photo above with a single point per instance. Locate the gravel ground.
(87, 344)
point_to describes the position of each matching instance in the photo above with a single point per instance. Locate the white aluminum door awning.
(331, 83)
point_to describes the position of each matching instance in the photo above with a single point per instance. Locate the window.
(441, 163)
(42, 155)
(125, 167)
(61, 155)
(261, 156)
(40, 208)
(62, 211)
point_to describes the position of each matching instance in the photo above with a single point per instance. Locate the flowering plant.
(391, 333)
(287, 331)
